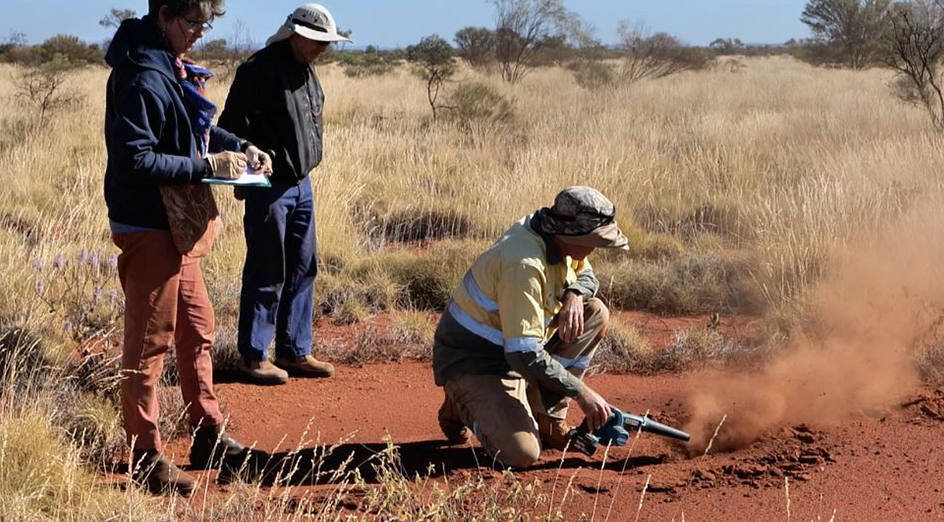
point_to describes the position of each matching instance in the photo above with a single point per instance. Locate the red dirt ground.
(880, 465)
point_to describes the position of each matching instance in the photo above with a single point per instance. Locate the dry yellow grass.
(790, 161)
(781, 163)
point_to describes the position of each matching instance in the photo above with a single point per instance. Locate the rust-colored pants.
(166, 302)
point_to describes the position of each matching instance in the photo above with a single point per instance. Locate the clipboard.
(248, 179)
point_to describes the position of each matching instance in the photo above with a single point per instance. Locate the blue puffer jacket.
(148, 134)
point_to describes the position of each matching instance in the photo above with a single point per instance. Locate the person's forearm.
(541, 368)
(587, 283)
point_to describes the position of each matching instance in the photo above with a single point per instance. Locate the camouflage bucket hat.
(583, 216)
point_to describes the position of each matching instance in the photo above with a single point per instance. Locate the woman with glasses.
(161, 144)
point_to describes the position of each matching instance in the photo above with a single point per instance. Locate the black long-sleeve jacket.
(275, 102)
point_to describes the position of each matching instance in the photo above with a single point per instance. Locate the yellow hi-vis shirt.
(509, 297)
(511, 294)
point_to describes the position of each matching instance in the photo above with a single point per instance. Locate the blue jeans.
(279, 274)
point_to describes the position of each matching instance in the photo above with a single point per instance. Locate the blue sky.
(391, 23)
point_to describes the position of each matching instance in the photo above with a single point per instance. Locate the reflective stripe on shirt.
(477, 295)
(523, 344)
(582, 362)
(492, 335)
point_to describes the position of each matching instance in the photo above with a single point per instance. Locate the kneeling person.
(511, 349)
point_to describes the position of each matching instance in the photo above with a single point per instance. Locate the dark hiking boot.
(306, 366)
(262, 372)
(456, 432)
(553, 432)
(151, 470)
(212, 445)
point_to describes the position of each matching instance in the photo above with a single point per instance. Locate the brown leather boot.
(456, 432)
(160, 476)
(553, 432)
(211, 446)
(262, 372)
(306, 366)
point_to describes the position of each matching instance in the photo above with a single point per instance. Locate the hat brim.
(286, 32)
(608, 236)
(320, 36)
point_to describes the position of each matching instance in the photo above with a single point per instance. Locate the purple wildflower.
(38, 265)
(113, 261)
(59, 262)
(83, 255)
(96, 259)
(39, 286)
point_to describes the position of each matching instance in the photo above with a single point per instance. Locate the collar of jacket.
(283, 49)
(553, 255)
(139, 42)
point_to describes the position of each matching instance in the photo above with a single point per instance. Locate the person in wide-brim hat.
(312, 21)
(277, 101)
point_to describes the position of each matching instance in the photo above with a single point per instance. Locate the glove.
(258, 161)
(227, 165)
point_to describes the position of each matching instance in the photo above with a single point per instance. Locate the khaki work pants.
(166, 303)
(499, 409)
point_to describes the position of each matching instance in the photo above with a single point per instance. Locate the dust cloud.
(857, 352)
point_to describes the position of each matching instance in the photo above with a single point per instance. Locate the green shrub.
(369, 63)
(623, 349)
(595, 75)
(413, 327)
(476, 102)
(693, 283)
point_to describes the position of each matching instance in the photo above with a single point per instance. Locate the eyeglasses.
(195, 25)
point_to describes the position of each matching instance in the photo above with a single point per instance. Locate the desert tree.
(726, 45)
(71, 48)
(435, 62)
(115, 17)
(654, 56)
(913, 46)
(476, 45)
(226, 54)
(44, 88)
(853, 27)
(345, 33)
(523, 28)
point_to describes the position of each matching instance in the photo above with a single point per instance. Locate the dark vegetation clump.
(688, 284)
(414, 224)
(372, 62)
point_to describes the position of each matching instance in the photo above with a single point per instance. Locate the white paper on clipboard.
(248, 179)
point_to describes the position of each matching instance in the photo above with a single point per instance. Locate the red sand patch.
(660, 330)
(878, 467)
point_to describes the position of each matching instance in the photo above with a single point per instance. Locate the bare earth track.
(877, 465)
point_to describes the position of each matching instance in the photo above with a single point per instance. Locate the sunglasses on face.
(196, 25)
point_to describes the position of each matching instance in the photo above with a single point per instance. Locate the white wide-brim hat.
(312, 21)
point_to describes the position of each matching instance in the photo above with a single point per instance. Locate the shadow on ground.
(336, 464)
